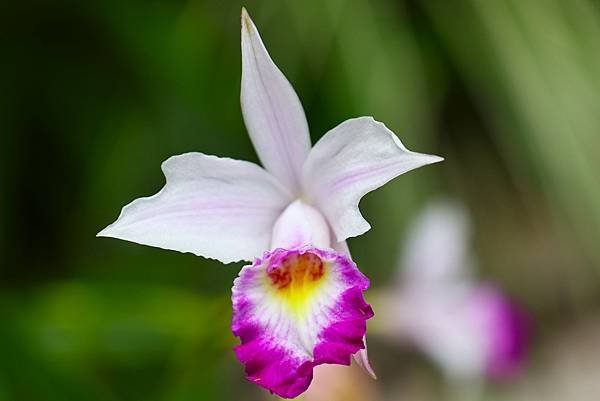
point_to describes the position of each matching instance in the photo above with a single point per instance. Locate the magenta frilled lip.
(294, 310)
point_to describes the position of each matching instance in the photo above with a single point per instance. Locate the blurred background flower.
(468, 327)
(97, 94)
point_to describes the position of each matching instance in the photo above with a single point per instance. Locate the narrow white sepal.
(272, 111)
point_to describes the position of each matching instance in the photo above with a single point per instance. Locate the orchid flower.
(471, 329)
(300, 303)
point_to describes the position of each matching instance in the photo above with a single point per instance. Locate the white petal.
(272, 111)
(213, 207)
(352, 159)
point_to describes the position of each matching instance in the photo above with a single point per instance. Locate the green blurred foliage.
(97, 94)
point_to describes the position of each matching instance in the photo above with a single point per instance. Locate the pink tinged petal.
(272, 111)
(213, 207)
(352, 159)
(294, 310)
(298, 226)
